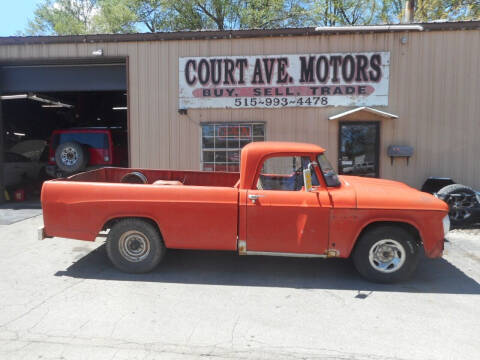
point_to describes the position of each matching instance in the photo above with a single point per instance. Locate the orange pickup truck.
(286, 201)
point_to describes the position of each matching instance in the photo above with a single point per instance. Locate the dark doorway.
(359, 148)
(41, 100)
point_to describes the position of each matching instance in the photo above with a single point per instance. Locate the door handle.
(255, 197)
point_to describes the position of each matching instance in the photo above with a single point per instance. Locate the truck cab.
(273, 194)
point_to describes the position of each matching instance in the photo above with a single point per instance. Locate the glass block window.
(222, 143)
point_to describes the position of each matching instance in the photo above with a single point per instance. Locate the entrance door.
(281, 216)
(359, 148)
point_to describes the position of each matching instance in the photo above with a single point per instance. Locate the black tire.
(460, 200)
(134, 177)
(396, 243)
(135, 246)
(71, 157)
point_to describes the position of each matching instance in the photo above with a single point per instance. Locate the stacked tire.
(462, 201)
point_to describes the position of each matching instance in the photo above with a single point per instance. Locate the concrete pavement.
(61, 299)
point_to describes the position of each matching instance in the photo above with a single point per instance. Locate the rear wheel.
(386, 254)
(135, 246)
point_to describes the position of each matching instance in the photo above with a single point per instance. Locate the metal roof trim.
(364, 108)
(232, 34)
(367, 28)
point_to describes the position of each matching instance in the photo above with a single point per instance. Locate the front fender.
(347, 226)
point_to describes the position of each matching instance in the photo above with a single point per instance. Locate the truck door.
(281, 216)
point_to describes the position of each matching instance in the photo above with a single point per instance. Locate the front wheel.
(135, 246)
(386, 254)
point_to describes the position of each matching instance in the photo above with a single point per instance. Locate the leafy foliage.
(427, 10)
(64, 17)
(115, 17)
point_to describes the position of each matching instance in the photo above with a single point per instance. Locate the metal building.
(193, 99)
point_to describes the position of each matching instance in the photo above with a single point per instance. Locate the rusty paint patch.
(332, 253)
(242, 247)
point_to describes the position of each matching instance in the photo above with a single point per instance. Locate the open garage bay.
(47, 105)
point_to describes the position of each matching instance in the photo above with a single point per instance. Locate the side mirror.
(311, 165)
(307, 179)
(307, 176)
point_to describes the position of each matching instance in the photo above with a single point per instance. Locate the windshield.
(329, 174)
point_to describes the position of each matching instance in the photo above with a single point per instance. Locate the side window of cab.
(284, 173)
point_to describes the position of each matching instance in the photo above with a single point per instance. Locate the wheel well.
(406, 226)
(110, 223)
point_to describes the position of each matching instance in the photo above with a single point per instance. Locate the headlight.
(446, 225)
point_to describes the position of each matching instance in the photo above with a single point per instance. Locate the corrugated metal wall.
(434, 89)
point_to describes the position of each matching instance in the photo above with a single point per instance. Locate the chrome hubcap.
(134, 246)
(69, 156)
(387, 256)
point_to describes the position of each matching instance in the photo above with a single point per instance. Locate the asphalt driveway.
(61, 299)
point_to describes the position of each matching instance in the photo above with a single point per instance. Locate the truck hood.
(388, 194)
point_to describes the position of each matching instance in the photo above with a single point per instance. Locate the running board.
(242, 250)
(268, 253)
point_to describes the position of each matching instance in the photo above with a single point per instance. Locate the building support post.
(2, 152)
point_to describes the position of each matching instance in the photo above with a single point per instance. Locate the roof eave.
(377, 112)
(232, 34)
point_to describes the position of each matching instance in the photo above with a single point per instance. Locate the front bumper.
(41, 234)
(446, 225)
(437, 250)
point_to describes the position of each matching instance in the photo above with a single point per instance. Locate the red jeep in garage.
(77, 149)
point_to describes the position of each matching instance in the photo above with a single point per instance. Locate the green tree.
(428, 10)
(263, 14)
(344, 12)
(114, 17)
(174, 15)
(392, 11)
(63, 17)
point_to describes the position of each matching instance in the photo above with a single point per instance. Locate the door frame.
(377, 141)
(2, 152)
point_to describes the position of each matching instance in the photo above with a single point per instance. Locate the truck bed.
(198, 178)
(198, 212)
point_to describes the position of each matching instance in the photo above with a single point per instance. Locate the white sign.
(273, 81)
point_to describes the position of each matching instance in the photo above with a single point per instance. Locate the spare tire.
(461, 200)
(135, 177)
(71, 157)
